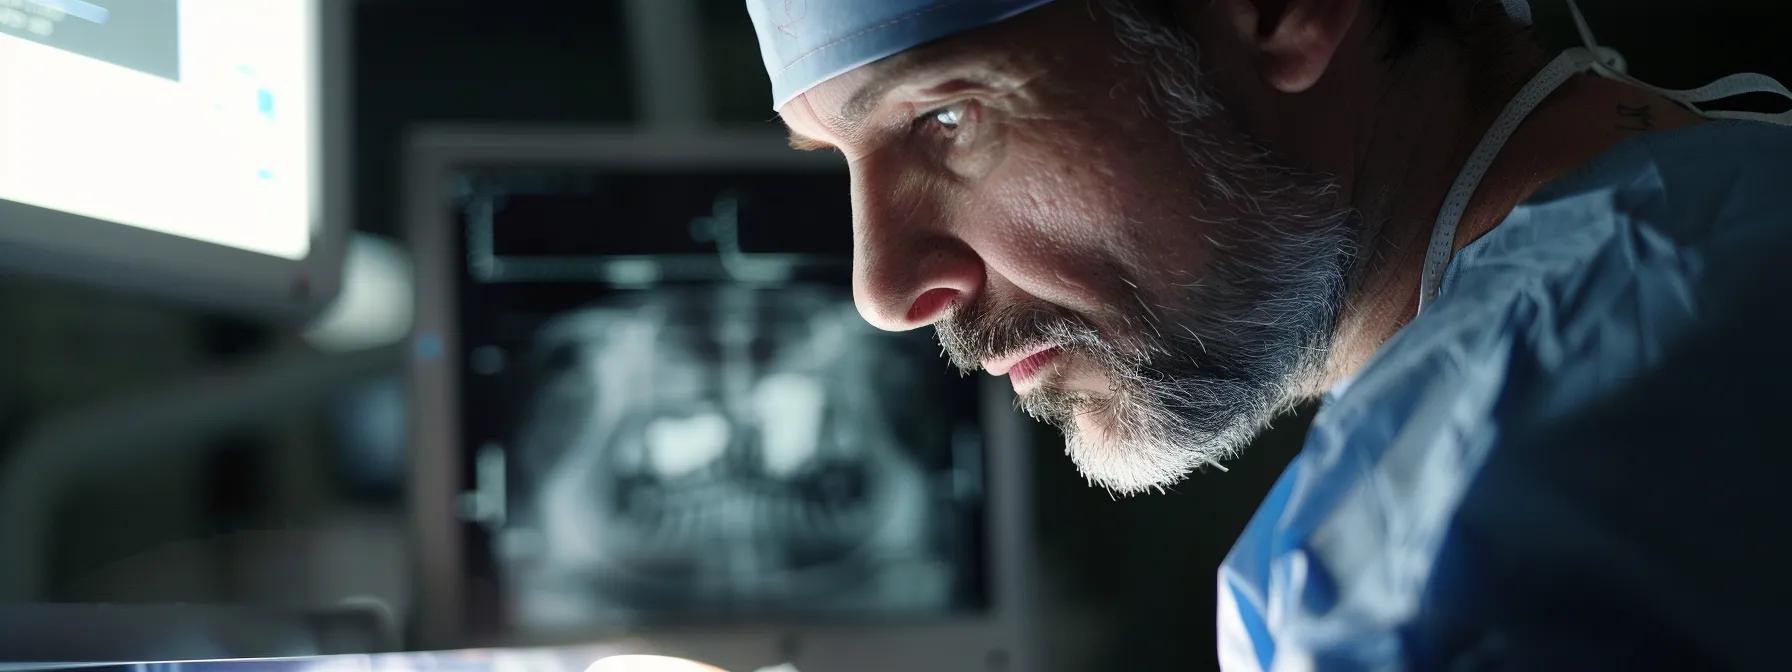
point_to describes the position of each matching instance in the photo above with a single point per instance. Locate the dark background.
(264, 513)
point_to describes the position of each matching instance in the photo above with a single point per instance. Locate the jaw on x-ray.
(727, 451)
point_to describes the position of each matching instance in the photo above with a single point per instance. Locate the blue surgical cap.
(807, 42)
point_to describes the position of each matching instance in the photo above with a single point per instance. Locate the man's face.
(1066, 202)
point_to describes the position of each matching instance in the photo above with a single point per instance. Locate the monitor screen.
(193, 118)
(672, 412)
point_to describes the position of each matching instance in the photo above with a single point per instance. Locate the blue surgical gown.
(1576, 458)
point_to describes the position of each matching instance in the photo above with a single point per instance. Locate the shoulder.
(1578, 316)
(1700, 187)
(1593, 408)
(1605, 272)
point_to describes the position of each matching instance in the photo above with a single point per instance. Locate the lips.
(1025, 366)
(1001, 367)
(1031, 367)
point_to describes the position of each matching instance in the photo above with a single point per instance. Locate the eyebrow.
(872, 93)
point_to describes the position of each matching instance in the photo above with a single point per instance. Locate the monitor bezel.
(42, 242)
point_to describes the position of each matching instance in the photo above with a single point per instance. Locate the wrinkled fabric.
(807, 42)
(1574, 459)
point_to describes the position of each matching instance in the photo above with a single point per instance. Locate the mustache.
(973, 332)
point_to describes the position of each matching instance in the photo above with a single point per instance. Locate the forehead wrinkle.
(971, 60)
(868, 96)
(891, 73)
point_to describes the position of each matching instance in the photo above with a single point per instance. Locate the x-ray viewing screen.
(712, 451)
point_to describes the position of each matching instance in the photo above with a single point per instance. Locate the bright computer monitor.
(182, 147)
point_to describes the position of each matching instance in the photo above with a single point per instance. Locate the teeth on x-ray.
(796, 400)
(678, 446)
(729, 449)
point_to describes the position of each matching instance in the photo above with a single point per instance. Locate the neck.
(1416, 134)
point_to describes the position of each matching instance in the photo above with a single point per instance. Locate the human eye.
(946, 121)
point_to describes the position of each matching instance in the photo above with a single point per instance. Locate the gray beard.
(1195, 375)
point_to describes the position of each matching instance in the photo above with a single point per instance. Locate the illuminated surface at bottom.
(564, 659)
(649, 664)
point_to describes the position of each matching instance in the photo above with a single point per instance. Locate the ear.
(1295, 39)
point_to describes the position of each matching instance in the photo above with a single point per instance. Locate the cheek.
(1075, 214)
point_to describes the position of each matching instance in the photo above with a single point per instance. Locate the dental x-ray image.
(711, 447)
(733, 451)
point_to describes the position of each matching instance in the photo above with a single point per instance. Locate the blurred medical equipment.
(373, 308)
(161, 424)
(192, 149)
(646, 408)
(44, 635)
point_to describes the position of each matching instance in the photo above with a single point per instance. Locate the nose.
(909, 266)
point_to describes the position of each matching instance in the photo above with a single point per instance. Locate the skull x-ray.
(727, 451)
